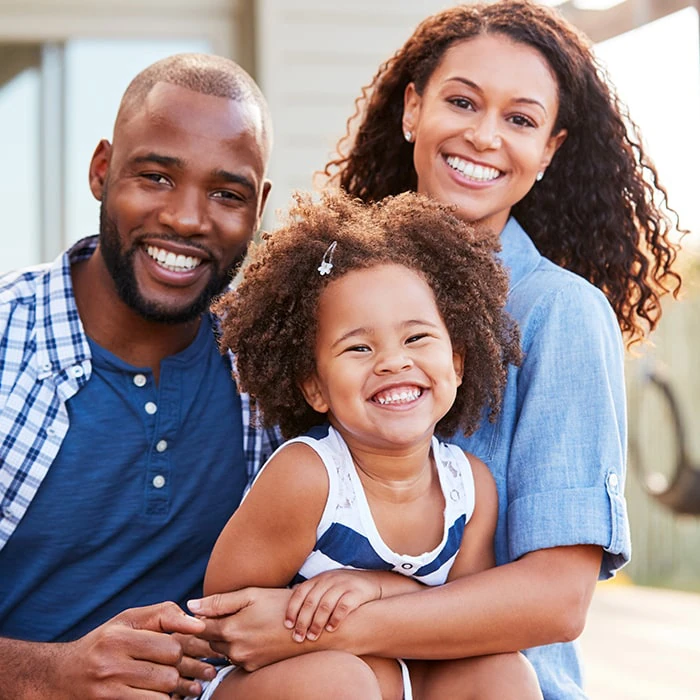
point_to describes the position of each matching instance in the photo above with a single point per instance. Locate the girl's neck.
(397, 477)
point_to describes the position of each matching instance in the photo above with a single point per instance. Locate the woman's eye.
(461, 102)
(520, 120)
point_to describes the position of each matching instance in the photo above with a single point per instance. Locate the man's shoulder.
(20, 286)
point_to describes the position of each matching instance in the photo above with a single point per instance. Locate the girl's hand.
(323, 602)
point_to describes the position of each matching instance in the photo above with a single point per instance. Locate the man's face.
(182, 190)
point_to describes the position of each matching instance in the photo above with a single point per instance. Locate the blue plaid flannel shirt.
(44, 360)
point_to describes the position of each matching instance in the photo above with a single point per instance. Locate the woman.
(501, 111)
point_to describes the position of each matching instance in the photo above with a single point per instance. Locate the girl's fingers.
(299, 595)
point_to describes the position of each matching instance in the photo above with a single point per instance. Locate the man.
(124, 446)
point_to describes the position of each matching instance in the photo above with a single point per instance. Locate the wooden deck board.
(642, 644)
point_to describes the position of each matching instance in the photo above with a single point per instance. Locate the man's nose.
(186, 212)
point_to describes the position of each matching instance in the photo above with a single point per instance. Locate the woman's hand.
(247, 626)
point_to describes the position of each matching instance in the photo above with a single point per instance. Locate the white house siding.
(313, 58)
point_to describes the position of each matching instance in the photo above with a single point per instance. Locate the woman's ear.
(553, 144)
(311, 388)
(411, 111)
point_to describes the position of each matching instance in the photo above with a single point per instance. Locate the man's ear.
(267, 186)
(99, 165)
(458, 363)
(311, 388)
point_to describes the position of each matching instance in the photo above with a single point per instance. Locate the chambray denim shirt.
(557, 449)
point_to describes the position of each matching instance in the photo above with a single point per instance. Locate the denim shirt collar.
(518, 252)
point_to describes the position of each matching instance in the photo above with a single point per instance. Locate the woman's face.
(483, 127)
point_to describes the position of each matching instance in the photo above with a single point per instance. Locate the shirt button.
(77, 371)
(46, 366)
(140, 380)
(7, 513)
(406, 566)
(613, 481)
(158, 481)
(150, 408)
(162, 445)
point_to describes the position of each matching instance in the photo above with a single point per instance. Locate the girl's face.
(386, 372)
(483, 127)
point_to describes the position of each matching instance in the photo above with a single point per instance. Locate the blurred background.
(65, 63)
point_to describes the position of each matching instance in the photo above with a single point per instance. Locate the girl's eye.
(358, 348)
(461, 102)
(520, 120)
(416, 338)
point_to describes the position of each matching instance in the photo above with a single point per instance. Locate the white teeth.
(175, 263)
(399, 397)
(472, 170)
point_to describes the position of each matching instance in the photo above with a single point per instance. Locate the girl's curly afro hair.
(600, 211)
(269, 321)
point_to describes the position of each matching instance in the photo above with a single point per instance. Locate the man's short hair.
(204, 73)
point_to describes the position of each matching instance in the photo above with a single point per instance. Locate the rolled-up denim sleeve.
(567, 458)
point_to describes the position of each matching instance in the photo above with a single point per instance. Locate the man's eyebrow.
(172, 161)
(159, 159)
(235, 179)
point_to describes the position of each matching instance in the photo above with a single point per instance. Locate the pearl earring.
(540, 175)
(408, 136)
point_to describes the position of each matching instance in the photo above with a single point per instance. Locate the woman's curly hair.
(600, 211)
(269, 321)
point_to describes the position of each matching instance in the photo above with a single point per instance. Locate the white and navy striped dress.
(347, 537)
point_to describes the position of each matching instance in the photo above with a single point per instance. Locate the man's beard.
(120, 265)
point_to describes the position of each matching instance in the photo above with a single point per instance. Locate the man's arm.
(542, 598)
(131, 653)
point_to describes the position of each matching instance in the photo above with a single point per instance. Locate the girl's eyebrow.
(355, 331)
(517, 100)
(361, 330)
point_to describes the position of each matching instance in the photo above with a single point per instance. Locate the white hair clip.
(326, 264)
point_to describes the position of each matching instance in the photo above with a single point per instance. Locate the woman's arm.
(540, 599)
(272, 532)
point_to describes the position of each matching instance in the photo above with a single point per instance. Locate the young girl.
(368, 330)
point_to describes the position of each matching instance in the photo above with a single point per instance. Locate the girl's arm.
(476, 552)
(267, 539)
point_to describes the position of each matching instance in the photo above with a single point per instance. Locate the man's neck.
(113, 325)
